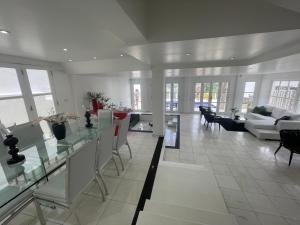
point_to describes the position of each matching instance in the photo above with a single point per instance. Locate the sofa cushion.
(288, 125)
(282, 118)
(255, 116)
(295, 117)
(277, 112)
(261, 124)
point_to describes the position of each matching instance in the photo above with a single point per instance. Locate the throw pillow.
(266, 113)
(256, 109)
(282, 118)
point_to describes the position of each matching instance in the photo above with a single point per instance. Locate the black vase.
(59, 130)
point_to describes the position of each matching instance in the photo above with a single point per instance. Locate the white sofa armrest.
(288, 125)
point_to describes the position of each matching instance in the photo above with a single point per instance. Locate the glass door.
(211, 94)
(223, 96)
(172, 93)
(197, 96)
(206, 95)
(214, 100)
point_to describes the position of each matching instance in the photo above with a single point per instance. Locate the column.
(158, 101)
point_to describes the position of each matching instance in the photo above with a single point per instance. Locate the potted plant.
(57, 123)
(234, 111)
(93, 98)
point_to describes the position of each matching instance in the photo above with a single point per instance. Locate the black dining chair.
(210, 118)
(290, 139)
(203, 110)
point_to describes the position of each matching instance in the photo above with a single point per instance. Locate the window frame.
(22, 88)
(132, 96)
(294, 103)
(31, 95)
(244, 92)
(26, 94)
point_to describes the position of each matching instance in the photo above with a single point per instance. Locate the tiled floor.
(257, 187)
(124, 190)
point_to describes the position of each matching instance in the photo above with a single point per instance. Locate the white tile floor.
(257, 187)
(124, 191)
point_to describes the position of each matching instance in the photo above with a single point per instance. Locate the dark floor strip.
(148, 185)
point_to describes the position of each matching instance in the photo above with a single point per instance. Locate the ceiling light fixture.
(122, 55)
(65, 49)
(70, 60)
(4, 32)
(232, 58)
(94, 57)
(187, 54)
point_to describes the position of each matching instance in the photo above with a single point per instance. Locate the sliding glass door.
(172, 92)
(211, 94)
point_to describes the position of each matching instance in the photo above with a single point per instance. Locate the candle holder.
(88, 120)
(11, 142)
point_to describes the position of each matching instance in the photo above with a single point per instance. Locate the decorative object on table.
(237, 117)
(234, 111)
(99, 101)
(57, 123)
(88, 119)
(11, 142)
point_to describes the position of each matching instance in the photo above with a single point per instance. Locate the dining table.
(43, 157)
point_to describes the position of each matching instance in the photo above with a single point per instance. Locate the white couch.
(263, 126)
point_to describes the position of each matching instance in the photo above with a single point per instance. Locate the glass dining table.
(43, 157)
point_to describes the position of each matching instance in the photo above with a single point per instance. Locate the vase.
(95, 105)
(59, 130)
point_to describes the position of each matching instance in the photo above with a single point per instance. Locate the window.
(168, 97)
(197, 98)
(214, 96)
(248, 96)
(223, 96)
(284, 94)
(175, 97)
(171, 98)
(41, 91)
(137, 98)
(12, 103)
(206, 94)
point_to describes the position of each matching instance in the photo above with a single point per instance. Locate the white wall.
(115, 87)
(63, 91)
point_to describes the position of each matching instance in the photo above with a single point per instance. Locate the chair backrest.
(290, 139)
(80, 170)
(123, 130)
(105, 147)
(27, 133)
(209, 117)
(105, 115)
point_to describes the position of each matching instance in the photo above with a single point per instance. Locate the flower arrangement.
(99, 97)
(57, 118)
(234, 110)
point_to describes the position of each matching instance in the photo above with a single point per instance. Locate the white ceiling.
(242, 48)
(104, 29)
(40, 29)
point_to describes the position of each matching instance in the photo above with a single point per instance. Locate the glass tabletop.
(42, 158)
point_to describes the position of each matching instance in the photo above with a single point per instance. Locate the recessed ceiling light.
(187, 54)
(232, 58)
(94, 57)
(4, 32)
(70, 60)
(122, 55)
(65, 49)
